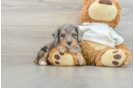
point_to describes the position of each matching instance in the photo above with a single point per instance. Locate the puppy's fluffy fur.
(66, 37)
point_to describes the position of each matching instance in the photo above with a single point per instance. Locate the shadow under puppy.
(66, 38)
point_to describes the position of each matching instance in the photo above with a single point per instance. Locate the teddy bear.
(101, 45)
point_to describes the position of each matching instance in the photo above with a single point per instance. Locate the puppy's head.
(68, 36)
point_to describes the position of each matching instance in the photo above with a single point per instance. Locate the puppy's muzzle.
(69, 43)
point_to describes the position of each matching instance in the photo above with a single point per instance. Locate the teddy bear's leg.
(57, 58)
(124, 47)
(114, 57)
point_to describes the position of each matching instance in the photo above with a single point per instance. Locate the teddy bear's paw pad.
(57, 57)
(62, 59)
(118, 56)
(114, 57)
(56, 62)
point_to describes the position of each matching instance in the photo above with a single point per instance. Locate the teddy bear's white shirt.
(101, 33)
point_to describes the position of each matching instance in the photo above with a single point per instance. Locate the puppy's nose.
(69, 43)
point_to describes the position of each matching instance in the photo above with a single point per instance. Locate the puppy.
(66, 38)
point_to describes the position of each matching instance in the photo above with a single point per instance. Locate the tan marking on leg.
(42, 61)
(80, 58)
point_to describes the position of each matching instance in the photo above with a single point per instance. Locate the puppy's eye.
(63, 35)
(74, 35)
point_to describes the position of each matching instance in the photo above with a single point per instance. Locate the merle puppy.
(66, 37)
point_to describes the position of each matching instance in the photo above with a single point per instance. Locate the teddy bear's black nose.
(109, 2)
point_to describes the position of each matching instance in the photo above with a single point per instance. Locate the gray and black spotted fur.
(46, 49)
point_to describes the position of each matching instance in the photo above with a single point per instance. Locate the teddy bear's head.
(103, 11)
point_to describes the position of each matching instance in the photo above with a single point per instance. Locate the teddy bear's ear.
(87, 1)
(117, 5)
(84, 2)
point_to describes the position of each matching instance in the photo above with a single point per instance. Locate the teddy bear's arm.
(124, 48)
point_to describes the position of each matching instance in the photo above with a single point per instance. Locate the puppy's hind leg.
(42, 57)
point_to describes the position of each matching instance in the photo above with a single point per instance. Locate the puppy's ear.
(56, 35)
(80, 34)
(53, 35)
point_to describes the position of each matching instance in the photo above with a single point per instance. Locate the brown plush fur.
(89, 53)
(93, 57)
(84, 17)
(124, 48)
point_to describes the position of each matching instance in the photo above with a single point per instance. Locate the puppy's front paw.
(80, 59)
(62, 49)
